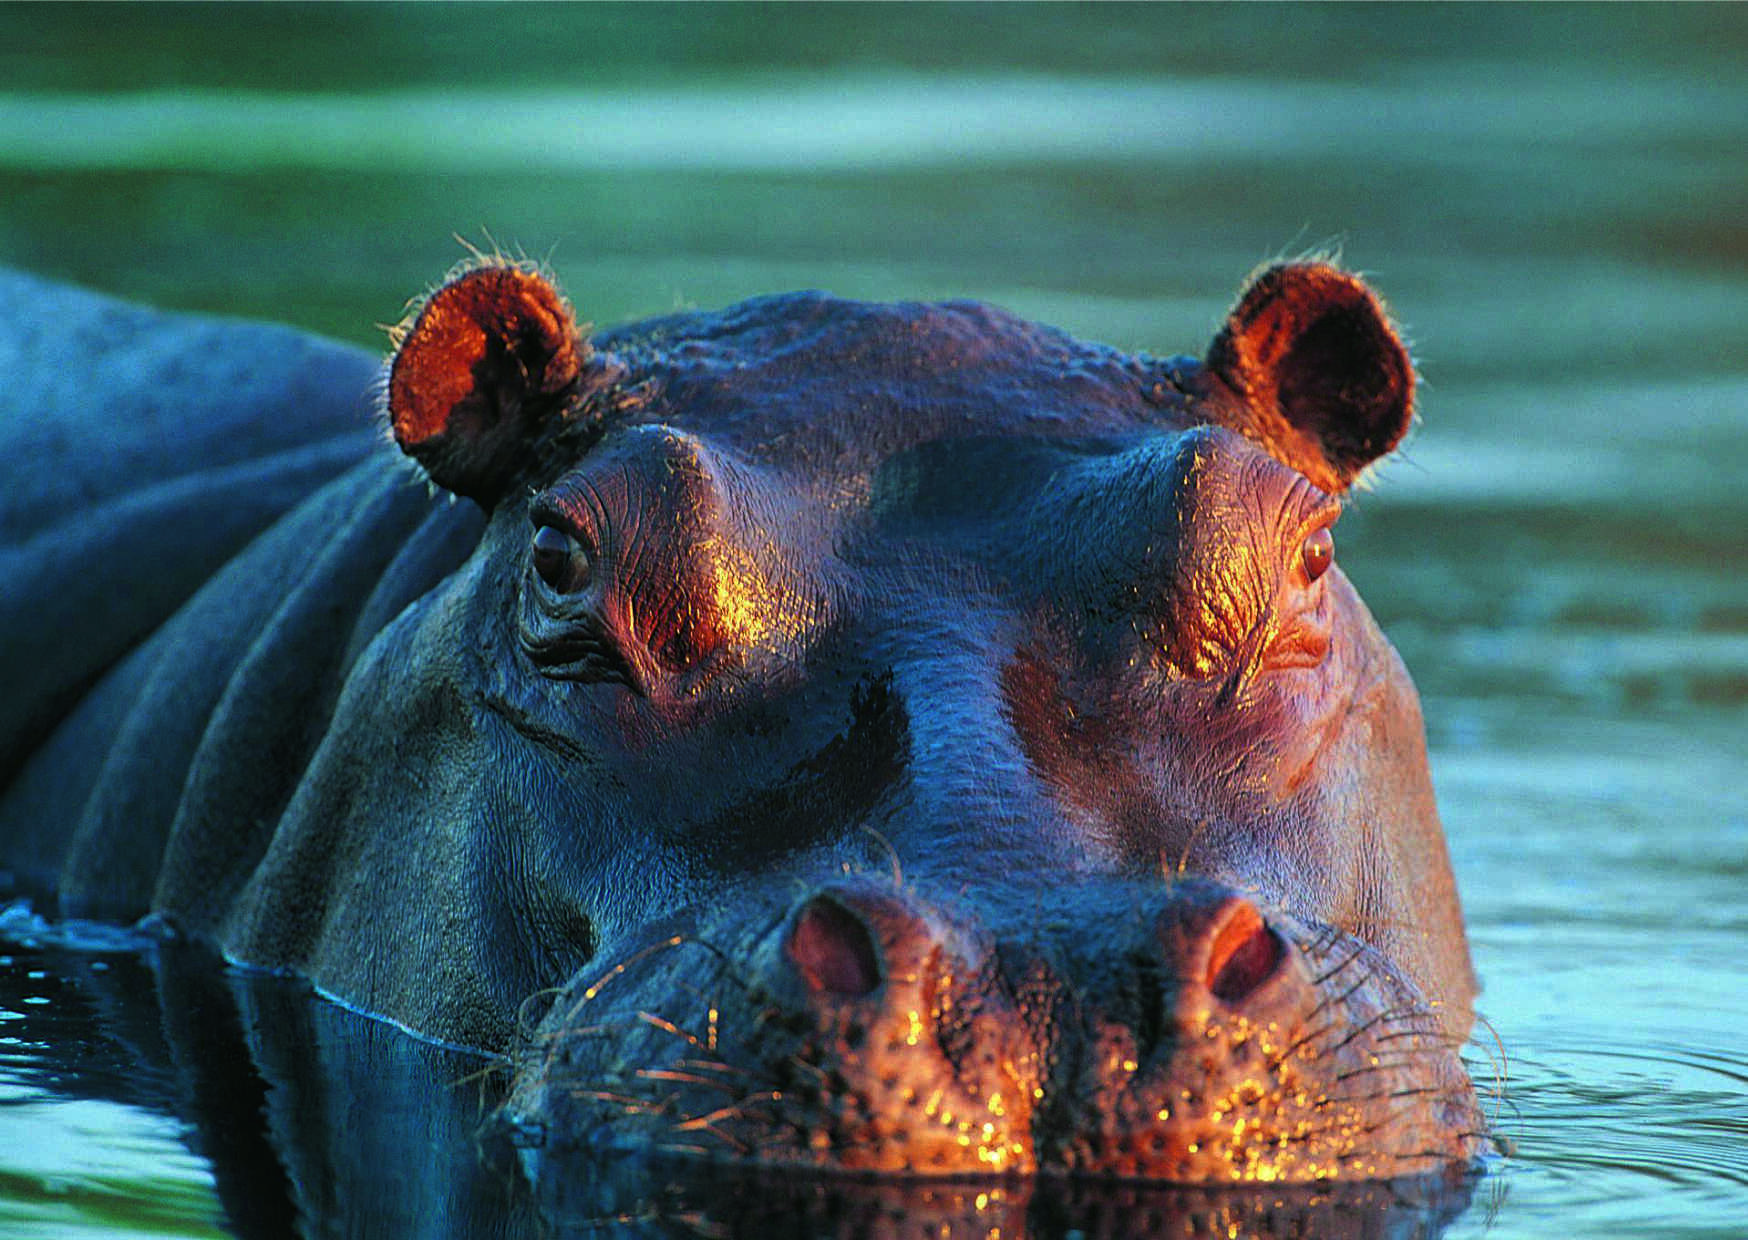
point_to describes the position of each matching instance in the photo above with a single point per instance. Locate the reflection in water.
(318, 1121)
(654, 1204)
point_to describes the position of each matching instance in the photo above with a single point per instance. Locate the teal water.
(1554, 199)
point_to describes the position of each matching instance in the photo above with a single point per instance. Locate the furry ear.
(490, 363)
(1311, 368)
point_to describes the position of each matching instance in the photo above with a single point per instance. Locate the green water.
(1554, 199)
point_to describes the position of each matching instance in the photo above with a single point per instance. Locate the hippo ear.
(1319, 374)
(489, 364)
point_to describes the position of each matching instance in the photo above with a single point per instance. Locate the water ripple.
(1611, 1127)
(845, 122)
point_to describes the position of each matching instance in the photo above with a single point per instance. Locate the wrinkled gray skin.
(893, 738)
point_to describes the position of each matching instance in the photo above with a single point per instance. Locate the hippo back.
(143, 451)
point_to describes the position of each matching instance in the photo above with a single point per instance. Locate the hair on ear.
(1313, 369)
(483, 370)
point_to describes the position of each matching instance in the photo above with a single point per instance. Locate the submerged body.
(874, 738)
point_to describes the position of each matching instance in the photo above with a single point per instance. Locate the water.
(1555, 201)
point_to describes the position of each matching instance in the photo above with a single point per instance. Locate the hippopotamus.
(891, 739)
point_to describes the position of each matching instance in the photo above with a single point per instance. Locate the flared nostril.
(1243, 952)
(833, 949)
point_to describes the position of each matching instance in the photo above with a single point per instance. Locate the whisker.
(701, 1124)
(891, 852)
(640, 1106)
(1341, 999)
(696, 1151)
(1360, 1030)
(684, 1078)
(1501, 1065)
(499, 1064)
(525, 1025)
(1431, 1033)
(668, 1026)
(1352, 959)
(618, 1028)
(1302, 1042)
(732, 1111)
(619, 969)
(713, 1065)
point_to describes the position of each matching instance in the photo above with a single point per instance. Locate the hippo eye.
(1318, 553)
(559, 560)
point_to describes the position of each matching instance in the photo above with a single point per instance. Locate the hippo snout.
(1182, 1034)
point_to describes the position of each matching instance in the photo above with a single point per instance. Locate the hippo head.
(913, 741)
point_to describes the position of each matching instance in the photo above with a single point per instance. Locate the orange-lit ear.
(1312, 369)
(491, 358)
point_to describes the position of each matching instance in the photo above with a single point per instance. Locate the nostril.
(833, 949)
(1243, 954)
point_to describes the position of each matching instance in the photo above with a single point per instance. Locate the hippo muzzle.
(1107, 1030)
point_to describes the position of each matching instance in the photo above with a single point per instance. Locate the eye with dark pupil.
(559, 560)
(1318, 553)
